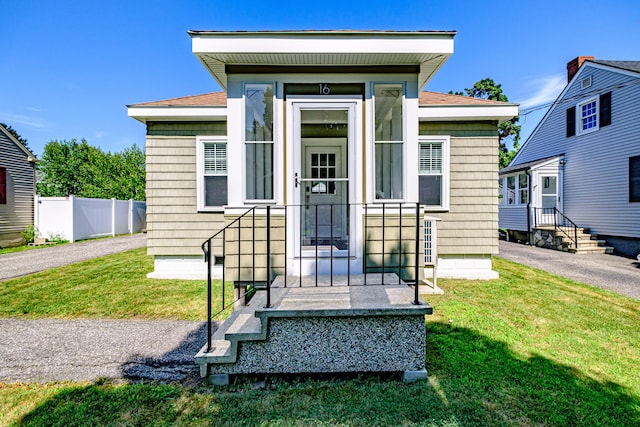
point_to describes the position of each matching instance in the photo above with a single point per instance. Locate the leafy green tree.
(77, 168)
(490, 90)
(16, 135)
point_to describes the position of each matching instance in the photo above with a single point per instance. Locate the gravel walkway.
(79, 350)
(27, 262)
(610, 272)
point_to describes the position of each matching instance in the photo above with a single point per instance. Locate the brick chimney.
(574, 65)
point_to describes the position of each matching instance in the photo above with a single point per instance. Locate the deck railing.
(560, 222)
(253, 248)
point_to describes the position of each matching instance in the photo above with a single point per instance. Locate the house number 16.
(324, 89)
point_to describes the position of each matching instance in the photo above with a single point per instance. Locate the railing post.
(209, 295)
(383, 248)
(269, 258)
(416, 300)
(400, 244)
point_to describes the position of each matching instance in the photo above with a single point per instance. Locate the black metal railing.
(253, 248)
(560, 222)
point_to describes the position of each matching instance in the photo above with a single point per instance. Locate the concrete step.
(593, 250)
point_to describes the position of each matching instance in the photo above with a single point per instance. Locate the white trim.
(501, 113)
(200, 197)
(182, 267)
(403, 142)
(161, 113)
(579, 129)
(275, 167)
(353, 104)
(470, 267)
(446, 170)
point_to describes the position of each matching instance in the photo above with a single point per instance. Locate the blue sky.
(69, 68)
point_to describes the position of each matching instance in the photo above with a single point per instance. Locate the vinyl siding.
(174, 227)
(596, 173)
(470, 227)
(513, 217)
(17, 213)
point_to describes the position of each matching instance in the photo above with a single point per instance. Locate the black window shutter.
(605, 109)
(571, 121)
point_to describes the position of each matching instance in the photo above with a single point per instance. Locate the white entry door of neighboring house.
(548, 198)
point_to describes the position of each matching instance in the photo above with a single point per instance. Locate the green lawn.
(114, 286)
(529, 349)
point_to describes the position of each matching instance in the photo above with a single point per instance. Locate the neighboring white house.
(322, 117)
(17, 189)
(583, 158)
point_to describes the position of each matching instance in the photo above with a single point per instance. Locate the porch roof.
(217, 50)
(528, 165)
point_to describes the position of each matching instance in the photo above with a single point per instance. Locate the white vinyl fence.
(74, 218)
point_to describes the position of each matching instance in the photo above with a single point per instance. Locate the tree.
(16, 135)
(490, 90)
(77, 168)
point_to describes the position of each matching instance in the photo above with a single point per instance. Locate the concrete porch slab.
(326, 329)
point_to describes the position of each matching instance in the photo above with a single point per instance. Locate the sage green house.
(334, 133)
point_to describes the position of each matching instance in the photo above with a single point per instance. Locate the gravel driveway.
(79, 350)
(610, 272)
(27, 262)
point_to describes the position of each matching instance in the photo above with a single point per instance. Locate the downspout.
(530, 191)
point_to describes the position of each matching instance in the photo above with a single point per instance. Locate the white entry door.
(324, 188)
(324, 233)
(548, 197)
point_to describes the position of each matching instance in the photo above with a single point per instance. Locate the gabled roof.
(30, 156)
(437, 106)
(203, 100)
(220, 99)
(624, 65)
(631, 68)
(528, 165)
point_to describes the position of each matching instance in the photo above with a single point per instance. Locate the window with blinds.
(431, 173)
(214, 179)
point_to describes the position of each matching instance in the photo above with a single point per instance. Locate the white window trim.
(248, 201)
(505, 190)
(446, 142)
(579, 130)
(200, 196)
(403, 142)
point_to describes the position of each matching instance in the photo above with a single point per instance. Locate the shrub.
(30, 234)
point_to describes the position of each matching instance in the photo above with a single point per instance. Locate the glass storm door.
(323, 183)
(548, 197)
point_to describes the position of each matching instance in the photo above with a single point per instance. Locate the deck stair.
(558, 238)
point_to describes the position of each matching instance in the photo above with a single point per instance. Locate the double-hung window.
(433, 173)
(517, 189)
(212, 166)
(589, 115)
(3, 186)
(389, 141)
(634, 179)
(258, 138)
